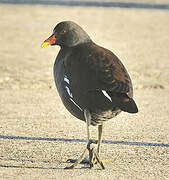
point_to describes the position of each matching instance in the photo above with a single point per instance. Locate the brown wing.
(112, 75)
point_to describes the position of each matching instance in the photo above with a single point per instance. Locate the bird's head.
(67, 34)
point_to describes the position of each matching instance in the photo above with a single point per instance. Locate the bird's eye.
(63, 31)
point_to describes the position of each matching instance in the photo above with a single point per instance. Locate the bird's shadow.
(28, 167)
(38, 167)
(68, 140)
(33, 166)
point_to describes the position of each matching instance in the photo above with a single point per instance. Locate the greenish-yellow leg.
(100, 135)
(100, 131)
(93, 154)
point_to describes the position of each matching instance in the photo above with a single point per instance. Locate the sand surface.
(34, 125)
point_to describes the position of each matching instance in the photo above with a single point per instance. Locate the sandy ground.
(32, 115)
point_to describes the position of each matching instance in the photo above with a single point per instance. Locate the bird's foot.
(93, 158)
(76, 162)
(84, 161)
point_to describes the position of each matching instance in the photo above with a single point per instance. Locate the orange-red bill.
(51, 40)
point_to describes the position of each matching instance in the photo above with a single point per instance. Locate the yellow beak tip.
(44, 44)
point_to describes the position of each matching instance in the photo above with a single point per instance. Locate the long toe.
(84, 161)
(76, 162)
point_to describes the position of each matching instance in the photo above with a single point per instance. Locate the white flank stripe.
(66, 79)
(105, 93)
(68, 91)
(76, 104)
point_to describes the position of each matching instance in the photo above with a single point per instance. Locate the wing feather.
(112, 75)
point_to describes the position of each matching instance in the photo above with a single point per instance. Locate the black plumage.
(88, 76)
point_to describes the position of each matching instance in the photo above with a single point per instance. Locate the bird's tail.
(128, 105)
(124, 102)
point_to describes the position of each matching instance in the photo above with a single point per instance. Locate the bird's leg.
(93, 154)
(88, 122)
(100, 135)
(87, 116)
(97, 154)
(100, 131)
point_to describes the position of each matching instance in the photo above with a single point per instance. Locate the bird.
(92, 82)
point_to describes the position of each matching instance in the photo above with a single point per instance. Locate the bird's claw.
(93, 158)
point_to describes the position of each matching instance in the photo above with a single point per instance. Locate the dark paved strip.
(85, 141)
(90, 3)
